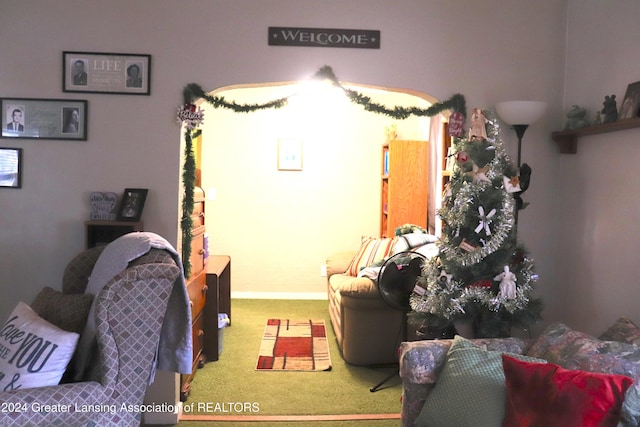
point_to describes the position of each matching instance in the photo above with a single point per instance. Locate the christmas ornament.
(486, 283)
(507, 283)
(191, 116)
(456, 122)
(511, 184)
(445, 279)
(462, 157)
(478, 131)
(485, 220)
(479, 174)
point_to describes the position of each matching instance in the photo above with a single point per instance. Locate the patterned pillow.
(571, 349)
(66, 311)
(35, 353)
(371, 251)
(470, 390)
(547, 394)
(623, 330)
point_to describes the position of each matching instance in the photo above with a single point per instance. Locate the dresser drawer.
(197, 254)
(197, 290)
(198, 220)
(198, 341)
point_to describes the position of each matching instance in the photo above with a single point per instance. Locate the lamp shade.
(520, 112)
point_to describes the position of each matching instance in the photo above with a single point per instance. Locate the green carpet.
(232, 386)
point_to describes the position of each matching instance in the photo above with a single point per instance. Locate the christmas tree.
(482, 275)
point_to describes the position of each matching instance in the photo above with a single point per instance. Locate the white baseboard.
(280, 295)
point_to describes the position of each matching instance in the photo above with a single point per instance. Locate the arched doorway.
(280, 225)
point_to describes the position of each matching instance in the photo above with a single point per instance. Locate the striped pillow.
(371, 250)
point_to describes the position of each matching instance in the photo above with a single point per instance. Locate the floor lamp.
(521, 114)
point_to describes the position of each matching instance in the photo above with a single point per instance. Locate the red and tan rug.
(294, 345)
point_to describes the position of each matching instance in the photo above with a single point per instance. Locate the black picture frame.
(10, 167)
(630, 107)
(105, 72)
(39, 118)
(132, 204)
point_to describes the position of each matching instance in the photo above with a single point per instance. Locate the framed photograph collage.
(67, 119)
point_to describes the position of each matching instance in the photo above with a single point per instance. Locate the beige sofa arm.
(338, 262)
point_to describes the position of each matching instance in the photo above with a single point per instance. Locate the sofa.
(485, 382)
(368, 330)
(130, 313)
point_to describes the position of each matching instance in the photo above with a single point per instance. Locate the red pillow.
(547, 395)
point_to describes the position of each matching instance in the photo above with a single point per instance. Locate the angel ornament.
(478, 129)
(507, 283)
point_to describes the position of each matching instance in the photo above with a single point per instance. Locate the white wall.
(483, 51)
(598, 274)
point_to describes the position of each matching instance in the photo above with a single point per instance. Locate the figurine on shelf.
(610, 109)
(575, 118)
(597, 120)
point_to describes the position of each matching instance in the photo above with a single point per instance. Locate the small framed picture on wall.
(289, 155)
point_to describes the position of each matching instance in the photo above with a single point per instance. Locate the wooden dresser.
(197, 290)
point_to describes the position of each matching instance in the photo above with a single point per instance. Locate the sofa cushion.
(371, 251)
(66, 311)
(33, 352)
(623, 330)
(545, 394)
(571, 349)
(470, 390)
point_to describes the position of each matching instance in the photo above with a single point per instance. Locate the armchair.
(129, 316)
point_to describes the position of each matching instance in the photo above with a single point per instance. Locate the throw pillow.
(623, 330)
(33, 352)
(545, 394)
(66, 311)
(571, 349)
(371, 251)
(470, 390)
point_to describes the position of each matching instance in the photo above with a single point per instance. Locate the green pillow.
(470, 391)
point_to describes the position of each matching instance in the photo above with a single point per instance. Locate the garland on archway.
(191, 118)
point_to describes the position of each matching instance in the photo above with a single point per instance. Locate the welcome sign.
(324, 37)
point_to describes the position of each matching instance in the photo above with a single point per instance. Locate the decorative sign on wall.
(123, 73)
(324, 37)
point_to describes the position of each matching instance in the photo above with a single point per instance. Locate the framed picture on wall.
(630, 107)
(118, 73)
(289, 155)
(44, 118)
(11, 167)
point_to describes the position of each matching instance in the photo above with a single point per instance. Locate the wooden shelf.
(567, 140)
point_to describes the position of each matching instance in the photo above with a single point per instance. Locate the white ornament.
(507, 283)
(485, 220)
(512, 185)
(479, 174)
(445, 279)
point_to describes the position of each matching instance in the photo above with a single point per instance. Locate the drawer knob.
(200, 332)
(201, 252)
(205, 288)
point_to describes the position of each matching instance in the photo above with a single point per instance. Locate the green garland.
(193, 92)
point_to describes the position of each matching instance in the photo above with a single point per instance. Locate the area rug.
(294, 345)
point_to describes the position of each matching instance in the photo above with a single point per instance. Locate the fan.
(396, 281)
